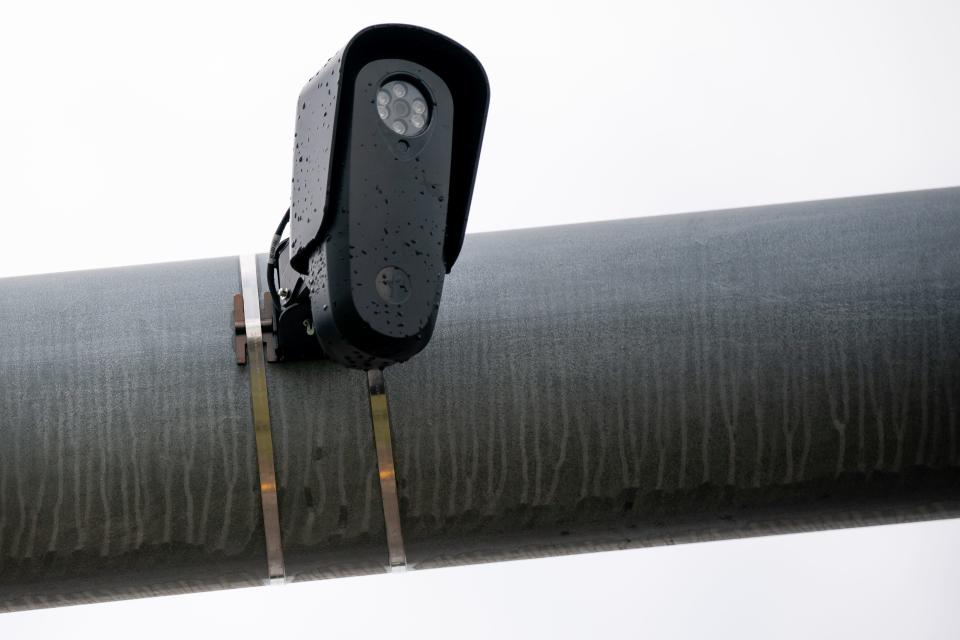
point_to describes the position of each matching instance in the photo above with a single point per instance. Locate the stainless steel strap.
(380, 416)
(261, 418)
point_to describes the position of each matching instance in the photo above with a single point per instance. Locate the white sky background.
(132, 135)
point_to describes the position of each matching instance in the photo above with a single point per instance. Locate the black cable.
(272, 262)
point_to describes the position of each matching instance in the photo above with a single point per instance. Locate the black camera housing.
(378, 218)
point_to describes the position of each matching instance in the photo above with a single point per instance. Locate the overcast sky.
(132, 135)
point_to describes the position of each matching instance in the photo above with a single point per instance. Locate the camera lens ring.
(403, 105)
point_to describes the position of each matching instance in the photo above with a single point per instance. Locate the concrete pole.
(598, 386)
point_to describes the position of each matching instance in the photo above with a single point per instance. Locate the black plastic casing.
(377, 219)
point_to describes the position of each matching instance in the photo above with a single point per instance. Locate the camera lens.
(402, 107)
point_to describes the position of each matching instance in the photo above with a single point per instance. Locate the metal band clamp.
(380, 416)
(261, 417)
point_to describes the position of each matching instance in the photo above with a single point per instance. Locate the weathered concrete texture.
(687, 377)
(597, 386)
